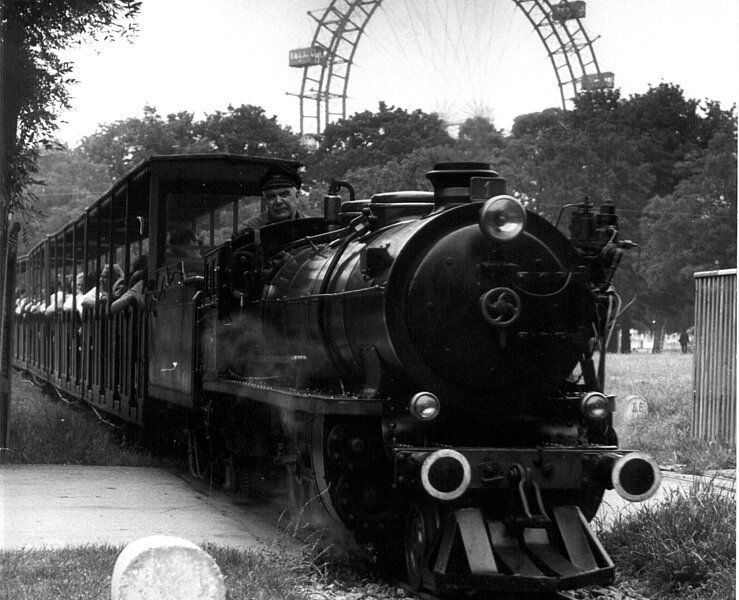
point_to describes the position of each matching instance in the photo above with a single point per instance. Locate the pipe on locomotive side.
(634, 476)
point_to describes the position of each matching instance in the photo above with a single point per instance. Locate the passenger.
(56, 300)
(136, 286)
(183, 244)
(119, 285)
(89, 298)
(280, 192)
(21, 301)
(38, 307)
(75, 300)
(28, 307)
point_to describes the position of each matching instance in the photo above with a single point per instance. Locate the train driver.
(280, 192)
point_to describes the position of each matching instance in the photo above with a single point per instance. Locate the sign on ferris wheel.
(307, 57)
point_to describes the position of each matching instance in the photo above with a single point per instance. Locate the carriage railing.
(97, 356)
(116, 376)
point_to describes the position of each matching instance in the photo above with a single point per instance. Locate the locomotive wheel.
(421, 530)
(308, 498)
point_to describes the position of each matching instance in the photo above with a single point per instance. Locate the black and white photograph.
(368, 299)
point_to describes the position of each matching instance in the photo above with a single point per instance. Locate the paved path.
(58, 505)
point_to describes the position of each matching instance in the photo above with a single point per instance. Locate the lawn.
(46, 428)
(665, 382)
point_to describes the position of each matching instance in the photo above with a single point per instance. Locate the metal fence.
(714, 368)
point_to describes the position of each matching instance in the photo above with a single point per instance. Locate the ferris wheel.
(464, 26)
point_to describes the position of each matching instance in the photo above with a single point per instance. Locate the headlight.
(595, 406)
(502, 218)
(424, 406)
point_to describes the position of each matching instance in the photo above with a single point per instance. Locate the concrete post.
(166, 568)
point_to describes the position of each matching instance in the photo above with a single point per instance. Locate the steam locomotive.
(424, 369)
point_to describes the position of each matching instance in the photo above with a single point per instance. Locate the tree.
(478, 135)
(247, 129)
(694, 228)
(35, 80)
(547, 162)
(670, 128)
(371, 139)
(242, 130)
(70, 184)
(124, 143)
(33, 88)
(405, 173)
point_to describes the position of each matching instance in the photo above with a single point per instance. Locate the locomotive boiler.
(431, 356)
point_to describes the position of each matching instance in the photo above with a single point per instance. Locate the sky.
(456, 57)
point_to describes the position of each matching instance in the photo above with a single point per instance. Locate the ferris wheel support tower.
(328, 61)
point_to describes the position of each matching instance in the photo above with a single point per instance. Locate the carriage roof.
(198, 183)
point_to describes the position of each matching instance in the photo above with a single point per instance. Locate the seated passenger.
(20, 302)
(280, 192)
(183, 245)
(38, 306)
(29, 307)
(89, 298)
(75, 300)
(136, 286)
(56, 300)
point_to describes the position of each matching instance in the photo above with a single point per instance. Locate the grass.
(682, 548)
(84, 573)
(48, 429)
(665, 381)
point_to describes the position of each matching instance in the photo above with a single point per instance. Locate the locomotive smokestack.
(453, 182)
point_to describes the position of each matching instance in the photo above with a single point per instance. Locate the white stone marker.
(161, 567)
(635, 409)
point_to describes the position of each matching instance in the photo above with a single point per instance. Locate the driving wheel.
(421, 530)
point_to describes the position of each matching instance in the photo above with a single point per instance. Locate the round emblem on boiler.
(500, 306)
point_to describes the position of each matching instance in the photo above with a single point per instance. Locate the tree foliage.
(124, 143)
(70, 184)
(668, 163)
(240, 130)
(694, 228)
(369, 139)
(36, 79)
(247, 129)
